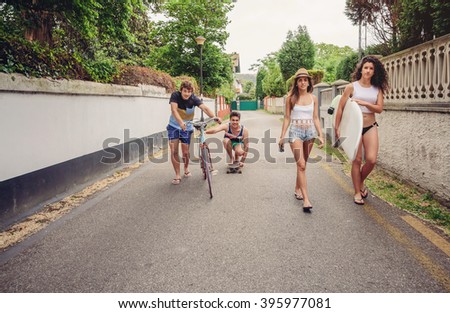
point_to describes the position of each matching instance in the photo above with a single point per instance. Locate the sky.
(259, 27)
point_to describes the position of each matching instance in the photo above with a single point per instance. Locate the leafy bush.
(135, 75)
(346, 67)
(33, 59)
(101, 70)
(273, 83)
(317, 75)
(246, 96)
(227, 91)
(179, 79)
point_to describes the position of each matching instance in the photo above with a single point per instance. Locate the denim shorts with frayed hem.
(304, 133)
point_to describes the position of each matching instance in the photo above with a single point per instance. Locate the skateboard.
(234, 168)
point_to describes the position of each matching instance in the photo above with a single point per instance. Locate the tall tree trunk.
(41, 23)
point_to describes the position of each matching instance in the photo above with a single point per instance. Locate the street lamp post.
(200, 40)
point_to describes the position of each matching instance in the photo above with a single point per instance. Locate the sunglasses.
(368, 59)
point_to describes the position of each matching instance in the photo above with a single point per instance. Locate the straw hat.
(302, 72)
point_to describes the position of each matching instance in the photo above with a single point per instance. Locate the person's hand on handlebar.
(217, 119)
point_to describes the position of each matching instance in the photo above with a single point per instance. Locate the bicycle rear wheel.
(206, 167)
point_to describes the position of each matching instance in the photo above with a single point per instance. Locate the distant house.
(236, 62)
(237, 86)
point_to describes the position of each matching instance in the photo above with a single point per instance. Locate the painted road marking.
(435, 270)
(437, 240)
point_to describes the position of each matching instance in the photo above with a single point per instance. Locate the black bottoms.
(366, 129)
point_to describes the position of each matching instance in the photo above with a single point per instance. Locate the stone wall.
(415, 146)
(415, 125)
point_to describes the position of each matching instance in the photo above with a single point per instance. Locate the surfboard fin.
(337, 143)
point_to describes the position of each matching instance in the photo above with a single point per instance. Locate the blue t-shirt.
(185, 109)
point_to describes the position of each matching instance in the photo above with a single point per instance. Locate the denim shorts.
(303, 132)
(175, 133)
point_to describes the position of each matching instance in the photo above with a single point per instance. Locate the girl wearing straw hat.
(302, 117)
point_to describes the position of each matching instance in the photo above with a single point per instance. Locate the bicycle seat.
(199, 125)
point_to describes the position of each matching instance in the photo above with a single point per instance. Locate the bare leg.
(186, 156)
(297, 149)
(298, 190)
(370, 142)
(356, 175)
(239, 154)
(228, 147)
(174, 157)
(307, 148)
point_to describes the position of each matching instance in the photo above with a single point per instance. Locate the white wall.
(276, 105)
(45, 122)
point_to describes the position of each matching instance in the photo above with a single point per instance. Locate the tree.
(400, 24)
(346, 67)
(248, 90)
(328, 57)
(441, 17)
(93, 39)
(382, 16)
(39, 17)
(273, 83)
(227, 91)
(260, 75)
(248, 86)
(296, 52)
(89, 18)
(422, 20)
(87, 37)
(178, 53)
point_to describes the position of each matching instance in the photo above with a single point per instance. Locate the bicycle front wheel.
(207, 167)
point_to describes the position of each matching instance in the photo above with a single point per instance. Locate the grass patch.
(400, 194)
(330, 150)
(408, 198)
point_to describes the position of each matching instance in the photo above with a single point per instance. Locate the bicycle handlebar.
(199, 124)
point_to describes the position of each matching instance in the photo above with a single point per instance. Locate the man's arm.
(217, 129)
(176, 115)
(245, 141)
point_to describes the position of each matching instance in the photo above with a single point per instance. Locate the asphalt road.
(146, 235)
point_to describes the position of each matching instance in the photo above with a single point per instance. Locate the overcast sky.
(259, 27)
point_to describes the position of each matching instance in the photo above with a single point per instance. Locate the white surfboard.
(350, 128)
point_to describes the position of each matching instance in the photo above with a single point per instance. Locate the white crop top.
(369, 94)
(303, 112)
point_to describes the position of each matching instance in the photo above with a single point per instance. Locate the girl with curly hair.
(367, 89)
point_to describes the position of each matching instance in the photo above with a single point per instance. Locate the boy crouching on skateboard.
(235, 139)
